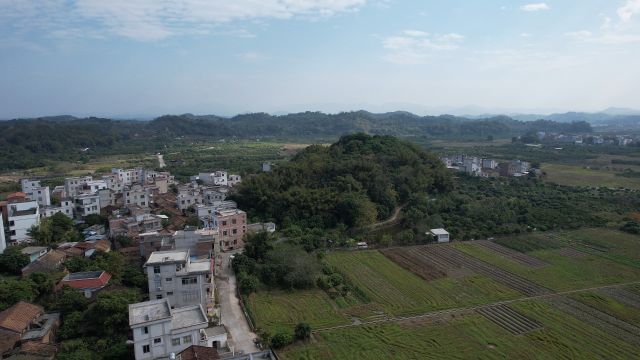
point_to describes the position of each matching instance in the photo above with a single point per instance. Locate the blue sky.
(151, 57)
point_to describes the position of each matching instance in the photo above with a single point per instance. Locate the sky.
(143, 58)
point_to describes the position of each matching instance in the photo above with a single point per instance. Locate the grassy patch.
(279, 310)
(610, 306)
(400, 292)
(562, 273)
(613, 245)
(467, 337)
(527, 243)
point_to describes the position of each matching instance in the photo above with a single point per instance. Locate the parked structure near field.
(440, 234)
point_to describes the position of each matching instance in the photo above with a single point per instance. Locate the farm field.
(400, 292)
(613, 245)
(467, 336)
(280, 310)
(563, 272)
(577, 175)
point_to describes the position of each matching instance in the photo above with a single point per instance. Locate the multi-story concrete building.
(153, 241)
(93, 186)
(66, 207)
(218, 178)
(73, 185)
(113, 182)
(232, 225)
(489, 164)
(87, 204)
(212, 196)
(160, 330)
(21, 217)
(107, 198)
(198, 242)
(234, 180)
(174, 276)
(188, 197)
(36, 192)
(137, 195)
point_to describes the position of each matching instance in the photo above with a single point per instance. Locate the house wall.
(179, 294)
(166, 347)
(20, 225)
(232, 229)
(3, 240)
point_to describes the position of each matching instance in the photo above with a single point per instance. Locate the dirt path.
(388, 221)
(454, 311)
(161, 163)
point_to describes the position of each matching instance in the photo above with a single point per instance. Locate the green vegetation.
(278, 310)
(353, 182)
(529, 242)
(465, 337)
(563, 272)
(400, 292)
(609, 306)
(577, 175)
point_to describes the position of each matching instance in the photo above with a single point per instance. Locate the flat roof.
(169, 256)
(439, 232)
(200, 266)
(33, 249)
(188, 316)
(149, 311)
(216, 330)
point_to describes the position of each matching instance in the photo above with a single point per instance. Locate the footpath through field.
(474, 308)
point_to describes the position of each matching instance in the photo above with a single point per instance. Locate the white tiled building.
(36, 192)
(87, 205)
(175, 276)
(158, 330)
(137, 195)
(22, 216)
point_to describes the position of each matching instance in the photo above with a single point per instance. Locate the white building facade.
(22, 216)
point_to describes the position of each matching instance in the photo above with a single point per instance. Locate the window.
(156, 269)
(189, 280)
(235, 231)
(235, 242)
(175, 342)
(224, 223)
(158, 297)
(225, 233)
(142, 203)
(145, 330)
(145, 349)
(157, 341)
(168, 279)
(169, 293)
(186, 340)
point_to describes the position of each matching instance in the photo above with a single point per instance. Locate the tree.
(44, 282)
(281, 340)
(302, 331)
(247, 283)
(110, 312)
(257, 245)
(124, 241)
(12, 260)
(69, 300)
(12, 291)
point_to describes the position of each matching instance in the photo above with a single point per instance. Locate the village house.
(160, 330)
(232, 225)
(441, 235)
(66, 207)
(173, 275)
(89, 282)
(153, 241)
(50, 262)
(35, 192)
(34, 252)
(73, 186)
(137, 195)
(23, 324)
(87, 204)
(3, 240)
(20, 218)
(198, 242)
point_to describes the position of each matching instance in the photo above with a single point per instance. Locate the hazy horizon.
(145, 58)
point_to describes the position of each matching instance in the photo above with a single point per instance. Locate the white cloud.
(627, 12)
(535, 7)
(416, 47)
(415, 33)
(607, 38)
(252, 57)
(159, 19)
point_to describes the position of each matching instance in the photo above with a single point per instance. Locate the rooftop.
(169, 256)
(149, 311)
(33, 249)
(43, 324)
(83, 275)
(215, 330)
(195, 352)
(18, 317)
(200, 266)
(188, 316)
(439, 232)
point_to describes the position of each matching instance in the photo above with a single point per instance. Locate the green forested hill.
(353, 182)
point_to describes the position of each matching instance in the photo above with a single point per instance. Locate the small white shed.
(441, 234)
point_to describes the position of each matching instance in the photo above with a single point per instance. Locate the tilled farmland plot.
(516, 256)
(509, 319)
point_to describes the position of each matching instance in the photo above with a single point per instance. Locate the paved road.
(473, 308)
(241, 337)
